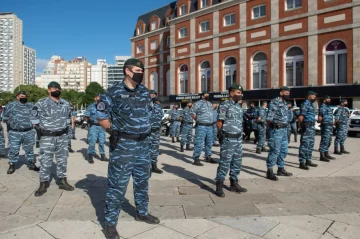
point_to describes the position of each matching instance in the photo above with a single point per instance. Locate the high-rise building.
(97, 73)
(29, 65)
(11, 52)
(115, 72)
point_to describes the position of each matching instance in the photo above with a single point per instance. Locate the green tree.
(34, 92)
(94, 88)
(6, 97)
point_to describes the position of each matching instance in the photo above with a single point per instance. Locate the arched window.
(168, 83)
(336, 62)
(230, 72)
(205, 75)
(154, 81)
(294, 65)
(183, 76)
(259, 70)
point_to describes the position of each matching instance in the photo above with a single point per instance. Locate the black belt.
(188, 122)
(154, 130)
(309, 124)
(327, 124)
(174, 120)
(279, 125)
(205, 124)
(97, 124)
(45, 132)
(21, 130)
(232, 136)
(136, 137)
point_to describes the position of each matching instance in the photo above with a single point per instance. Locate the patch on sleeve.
(101, 106)
(222, 110)
(34, 111)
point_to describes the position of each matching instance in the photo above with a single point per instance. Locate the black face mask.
(55, 94)
(327, 102)
(137, 77)
(237, 98)
(206, 97)
(312, 100)
(23, 100)
(286, 97)
(154, 99)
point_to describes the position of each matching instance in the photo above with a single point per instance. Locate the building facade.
(97, 73)
(193, 45)
(115, 73)
(11, 52)
(29, 65)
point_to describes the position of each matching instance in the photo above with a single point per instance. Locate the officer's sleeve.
(304, 108)
(272, 111)
(337, 114)
(321, 111)
(104, 106)
(6, 113)
(222, 112)
(88, 111)
(35, 112)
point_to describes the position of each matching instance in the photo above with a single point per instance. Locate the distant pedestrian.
(341, 121)
(174, 116)
(261, 128)
(187, 127)
(326, 119)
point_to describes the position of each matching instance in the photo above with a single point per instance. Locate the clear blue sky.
(96, 29)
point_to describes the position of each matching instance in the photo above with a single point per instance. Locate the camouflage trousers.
(70, 134)
(326, 137)
(278, 148)
(2, 141)
(51, 146)
(154, 147)
(215, 131)
(96, 132)
(27, 139)
(186, 134)
(130, 158)
(261, 129)
(203, 134)
(230, 159)
(341, 135)
(175, 129)
(292, 129)
(306, 143)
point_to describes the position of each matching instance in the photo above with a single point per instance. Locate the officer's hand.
(109, 131)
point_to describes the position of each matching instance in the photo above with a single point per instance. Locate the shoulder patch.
(34, 111)
(101, 106)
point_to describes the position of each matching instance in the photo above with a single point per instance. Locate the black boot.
(155, 169)
(91, 159)
(197, 162)
(173, 139)
(71, 150)
(336, 151)
(327, 155)
(11, 169)
(150, 219)
(303, 166)
(181, 148)
(42, 189)
(63, 184)
(235, 187)
(311, 164)
(103, 158)
(111, 232)
(188, 147)
(258, 150)
(264, 149)
(33, 167)
(177, 139)
(208, 159)
(283, 172)
(295, 138)
(271, 175)
(343, 151)
(323, 157)
(219, 189)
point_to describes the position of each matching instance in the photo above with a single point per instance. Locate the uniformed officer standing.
(51, 116)
(96, 132)
(187, 127)
(202, 113)
(155, 120)
(326, 118)
(278, 141)
(2, 138)
(128, 106)
(251, 116)
(71, 131)
(293, 126)
(290, 115)
(17, 115)
(174, 116)
(261, 128)
(230, 119)
(341, 122)
(307, 123)
(215, 130)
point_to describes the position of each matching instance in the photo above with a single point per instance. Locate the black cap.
(134, 62)
(54, 84)
(311, 93)
(236, 87)
(343, 100)
(21, 92)
(284, 88)
(152, 92)
(327, 97)
(252, 103)
(205, 92)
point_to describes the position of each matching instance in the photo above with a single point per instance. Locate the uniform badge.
(101, 106)
(34, 112)
(222, 110)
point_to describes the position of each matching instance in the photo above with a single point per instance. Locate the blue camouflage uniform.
(293, 126)
(155, 120)
(70, 129)
(290, 116)
(261, 128)
(96, 132)
(308, 131)
(231, 145)
(187, 126)
(2, 138)
(175, 122)
(53, 119)
(215, 129)
(129, 111)
(21, 130)
(278, 141)
(326, 127)
(202, 109)
(342, 115)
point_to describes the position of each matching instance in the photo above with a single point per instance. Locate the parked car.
(354, 125)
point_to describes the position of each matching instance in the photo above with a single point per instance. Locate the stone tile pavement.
(322, 203)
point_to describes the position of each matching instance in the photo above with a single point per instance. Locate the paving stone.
(245, 198)
(195, 190)
(45, 200)
(10, 204)
(283, 185)
(93, 232)
(220, 210)
(167, 212)
(342, 206)
(283, 231)
(292, 197)
(26, 233)
(190, 227)
(337, 230)
(166, 200)
(161, 232)
(15, 221)
(68, 200)
(129, 229)
(319, 184)
(62, 228)
(348, 218)
(254, 225)
(67, 213)
(41, 213)
(90, 202)
(288, 209)
(226, 232)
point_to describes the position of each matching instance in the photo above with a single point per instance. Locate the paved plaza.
(322, 203)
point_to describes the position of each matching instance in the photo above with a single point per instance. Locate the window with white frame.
(205, 74)
(259, 11)
(204, 26)
(204, 3)
(140, 30)
(183, 76)
(182, 10)
(153, 45)
(259, 71)
(229, 19)
(183, 32)
(294, 67)
(336, 64)
(293, 4)
(229, 72)
(168, 41)
(140, 49)
(153, 25)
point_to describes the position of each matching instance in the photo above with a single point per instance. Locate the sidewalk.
(323, 202)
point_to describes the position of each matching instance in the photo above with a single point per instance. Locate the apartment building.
(97, 73)
(29, 65)
(193, 45)
(115, 73)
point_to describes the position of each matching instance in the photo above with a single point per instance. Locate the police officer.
(187, 127)
(307, 123)
(326, 118)
(290, 115)
(51, 116)
(174, 116)
(230, 119)
(278, 141)
(96, 132)
(215, 130)
(251, 115)
(155, 120)
(71, 131)
(128, 106)
(2, 138)
(341, 122)
(293, 126)
(261, 128)
(17, 115)
(202, 113)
